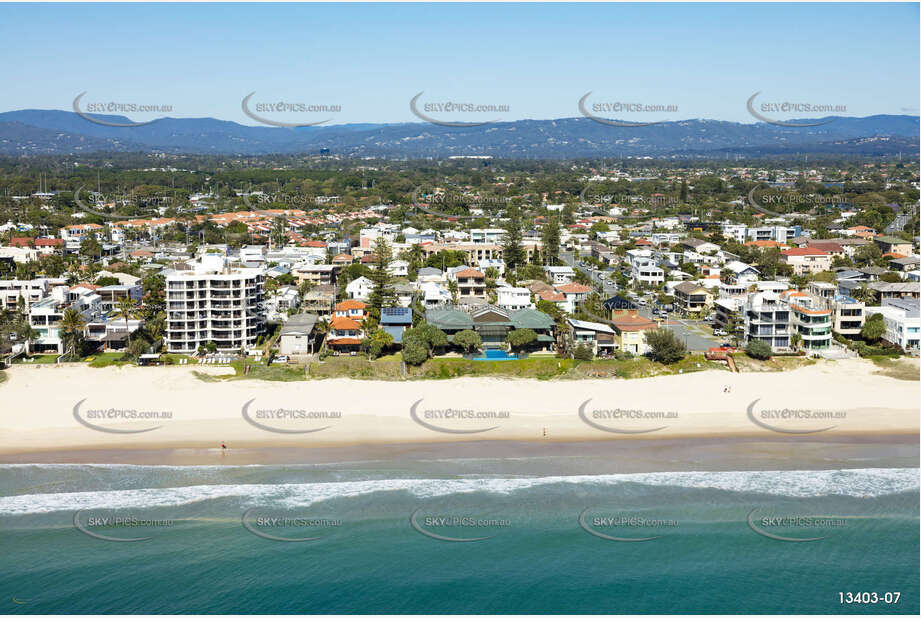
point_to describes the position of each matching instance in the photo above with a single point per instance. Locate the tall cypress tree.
(512, 251)
(551, 240)
(382, 291)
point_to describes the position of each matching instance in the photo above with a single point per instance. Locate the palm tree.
(126, 308)
(864, 294)
(28, 335)
(72, 324)
(74, 272)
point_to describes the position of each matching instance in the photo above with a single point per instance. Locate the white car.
(719, 332)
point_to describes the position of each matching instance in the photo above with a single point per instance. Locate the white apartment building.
(810, 318)
(45, 315)
(491, 236)
(659, 238)
(560, 274)
(31, 291)
(252, 256)
(735, 231)
(767, 318)
(514, 299)
(215, 303)
(903, 322)
(645, 272)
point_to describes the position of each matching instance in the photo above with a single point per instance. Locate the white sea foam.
(860, 483)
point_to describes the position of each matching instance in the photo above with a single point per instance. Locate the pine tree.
(382, 292)
(512, 251)
(551, 240)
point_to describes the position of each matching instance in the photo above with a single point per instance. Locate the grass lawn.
(898, 368)
(107, 359)
(40, 359)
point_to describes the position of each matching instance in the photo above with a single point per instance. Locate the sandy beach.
(73, 408)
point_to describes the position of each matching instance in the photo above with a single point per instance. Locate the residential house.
(600, 338)
(906, 264)
(741, 273)
(539, 322)
(847, 316)
(320, 300)
(692, 298)
(575, 293)
(700, 246)
(645, 272)
(471, 282)
(317, 274)
(298, 335)
(395, 321)
(29, 290)
(449, 319)
(280, 302)
(630, 329)
(891, 244)
(805, 260)
(359, 289)
(351, 309)
(345, 334)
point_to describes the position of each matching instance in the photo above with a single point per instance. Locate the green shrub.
(758, 349)
(665, 347)
(583, 352)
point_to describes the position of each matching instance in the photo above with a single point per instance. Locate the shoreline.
(650, 455)
(46, 413)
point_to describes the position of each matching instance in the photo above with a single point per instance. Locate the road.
(595, 275)
(694, 333)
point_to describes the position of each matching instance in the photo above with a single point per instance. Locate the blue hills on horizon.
(55, 132)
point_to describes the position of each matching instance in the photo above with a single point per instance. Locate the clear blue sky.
(539, 59)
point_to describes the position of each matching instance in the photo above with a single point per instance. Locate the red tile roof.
(470, 272)
(553, 297)
(340, 323)
(573, 288)
(803, 251)
(350, 304)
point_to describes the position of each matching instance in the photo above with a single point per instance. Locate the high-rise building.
(214, 303)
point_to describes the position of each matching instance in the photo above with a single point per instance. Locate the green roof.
(448, 318)
(531, 318)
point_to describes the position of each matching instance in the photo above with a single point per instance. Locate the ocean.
(456, 535)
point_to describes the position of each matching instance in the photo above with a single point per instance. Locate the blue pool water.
(494, 355)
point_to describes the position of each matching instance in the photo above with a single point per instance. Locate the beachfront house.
(600, 338)
(298, 335)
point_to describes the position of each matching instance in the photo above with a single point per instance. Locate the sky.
(706, 60)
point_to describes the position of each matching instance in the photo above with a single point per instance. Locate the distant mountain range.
(53, 132)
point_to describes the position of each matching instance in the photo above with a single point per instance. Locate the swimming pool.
(496, 355)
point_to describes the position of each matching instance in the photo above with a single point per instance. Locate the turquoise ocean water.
(376, 549)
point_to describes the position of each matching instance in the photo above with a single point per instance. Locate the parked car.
(719, 332)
